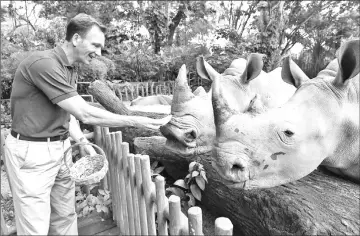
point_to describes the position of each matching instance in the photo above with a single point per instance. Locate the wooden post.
(223, 226)
(142, 90)
(108, 152)
(162, 205)
(141, 196)
(104, 131)
(125, 153)
(152, 88)
(174, 215)
(124, 225)
(147, 88)
(134, 192)
(149, 192)
(98, 141)
(195, 221)
(113, 174)
(126, 94)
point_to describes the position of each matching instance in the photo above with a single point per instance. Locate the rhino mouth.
(186, 137)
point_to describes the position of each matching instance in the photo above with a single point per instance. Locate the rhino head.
(319, 124)
(192, 124)
(192, 129)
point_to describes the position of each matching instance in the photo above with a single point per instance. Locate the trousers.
(42, 190)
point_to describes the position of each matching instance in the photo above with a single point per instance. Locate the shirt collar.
(63, 57)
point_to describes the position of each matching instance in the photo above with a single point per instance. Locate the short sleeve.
(51, 78)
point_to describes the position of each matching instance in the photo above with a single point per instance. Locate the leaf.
(178, 192)
(105, 209)
(108, 202)
(106, 197)
(107, 192)
(101, 191)
(203, 174)
(191, 201)
(79, 197)
(154, 164)
(98, 208)
(194, 173)
(191, 166)
(159, 169)
(83, 204)
(86, 210)
(91, 208)
(181, 183)
(195, 191)
(200, 182)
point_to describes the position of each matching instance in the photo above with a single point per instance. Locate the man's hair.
(81, 24)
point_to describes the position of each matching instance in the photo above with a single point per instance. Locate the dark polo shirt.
(41, 81)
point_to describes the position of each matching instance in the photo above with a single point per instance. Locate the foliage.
(86, 204)
(156, 169)
(189, 188)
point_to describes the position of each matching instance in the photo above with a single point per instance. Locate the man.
(44, 104)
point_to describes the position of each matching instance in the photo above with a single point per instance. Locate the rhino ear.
(253, 68)
(292, 74)
(205, 70)
(348, 62)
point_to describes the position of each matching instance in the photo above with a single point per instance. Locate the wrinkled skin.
(192, 130)
(319, 125)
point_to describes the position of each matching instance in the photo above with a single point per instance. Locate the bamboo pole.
(135, 201)
(98, 141)
(174, 215)
(125, 153)
(149, 192)
(141, 196)
(223, 226)
(162, 205)
(124, 225)
(195, 221)
(152, 88)
(126, 94)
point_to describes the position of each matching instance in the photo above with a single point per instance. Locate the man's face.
(89, 46)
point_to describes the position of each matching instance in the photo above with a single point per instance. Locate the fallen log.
(108, 99)
(316, 204)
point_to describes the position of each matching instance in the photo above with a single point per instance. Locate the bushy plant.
(189, 188)
(86, 204)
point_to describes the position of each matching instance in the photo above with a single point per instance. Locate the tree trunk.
(175, 23)
(316, 204)
(107, 98)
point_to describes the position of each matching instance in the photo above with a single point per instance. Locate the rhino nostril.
(191, 135)
(237, 167)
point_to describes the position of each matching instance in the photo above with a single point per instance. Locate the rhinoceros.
(192, 130)
(319, 125)
(152, 100)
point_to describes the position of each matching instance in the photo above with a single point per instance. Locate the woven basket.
(89, 169)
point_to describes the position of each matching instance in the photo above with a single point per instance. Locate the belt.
(35, 139)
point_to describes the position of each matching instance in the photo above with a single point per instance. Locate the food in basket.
(87, 166)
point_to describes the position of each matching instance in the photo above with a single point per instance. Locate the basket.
(89, 169)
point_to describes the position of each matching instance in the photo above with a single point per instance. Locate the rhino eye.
(288, 133)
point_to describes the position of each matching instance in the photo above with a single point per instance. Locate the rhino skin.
(319, 125)
(191, 130)
(152, 100)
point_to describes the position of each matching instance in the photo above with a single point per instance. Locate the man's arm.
(88, 114)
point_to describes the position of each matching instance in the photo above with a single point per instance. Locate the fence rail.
(135, 196)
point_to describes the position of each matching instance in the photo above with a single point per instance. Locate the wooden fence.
(135, 196)
(129, 91)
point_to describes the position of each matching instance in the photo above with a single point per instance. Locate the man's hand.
(151, 123)
(89, 150)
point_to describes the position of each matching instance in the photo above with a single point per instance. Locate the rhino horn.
(200, 91)
(348, 62)
(222, 110)
(182, 91)
(292, 74)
